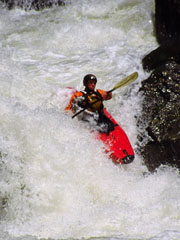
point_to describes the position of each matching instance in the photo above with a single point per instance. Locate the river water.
(56, 181)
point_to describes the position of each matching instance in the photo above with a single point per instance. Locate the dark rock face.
(168, 51)
(161, 112)
(32, 4)
(167, 19)
(159, 123)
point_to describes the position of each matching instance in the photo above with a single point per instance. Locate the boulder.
(167, 19)
(159, 122)
(161, 117)
(32, 4)
(170, 50)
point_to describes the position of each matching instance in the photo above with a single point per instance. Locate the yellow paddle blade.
(126, 81)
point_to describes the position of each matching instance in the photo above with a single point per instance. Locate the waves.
(56, 180)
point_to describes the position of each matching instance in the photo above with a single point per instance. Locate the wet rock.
(32, 4)
(167, 19)
(159, 123)
(170, 50)
(161, 113)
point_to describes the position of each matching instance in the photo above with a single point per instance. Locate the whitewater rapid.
(56, 180)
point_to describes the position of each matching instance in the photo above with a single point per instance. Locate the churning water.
(56, 181)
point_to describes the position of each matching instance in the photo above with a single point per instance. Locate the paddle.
(126, 81)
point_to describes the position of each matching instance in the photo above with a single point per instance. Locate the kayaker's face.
(91, 85)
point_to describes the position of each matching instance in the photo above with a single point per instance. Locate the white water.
(56, 181)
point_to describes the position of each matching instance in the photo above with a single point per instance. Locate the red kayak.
(117, 144)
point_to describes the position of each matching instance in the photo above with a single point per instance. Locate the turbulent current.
(56, 182)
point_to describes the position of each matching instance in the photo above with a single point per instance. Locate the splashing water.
(56, 180)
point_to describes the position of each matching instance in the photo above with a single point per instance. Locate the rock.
(161, 115)
(167, 19)
(170, 50)
(159, 123)
(32, 4)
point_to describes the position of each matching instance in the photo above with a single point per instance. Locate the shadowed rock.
(32, 4)
(161, 112)
(159, 123)
(167, 19)
(170, 50)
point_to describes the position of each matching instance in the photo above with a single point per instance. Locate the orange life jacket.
(79, 94)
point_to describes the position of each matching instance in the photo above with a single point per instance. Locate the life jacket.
(91, 97)
(94, 99)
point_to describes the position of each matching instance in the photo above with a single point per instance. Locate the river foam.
(56, 180)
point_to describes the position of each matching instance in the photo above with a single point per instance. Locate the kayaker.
(92, 100)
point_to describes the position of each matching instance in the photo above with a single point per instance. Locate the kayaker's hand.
(107, 96)
(78, 103)
(83, 104)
